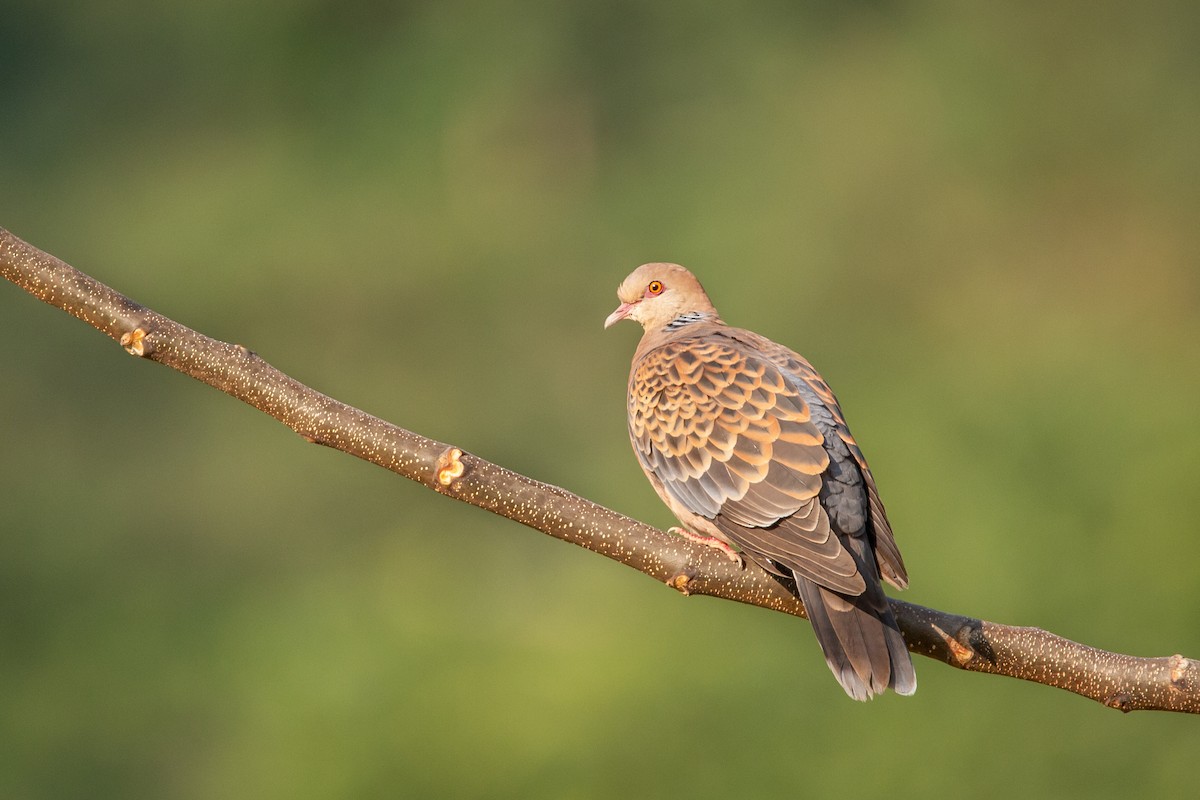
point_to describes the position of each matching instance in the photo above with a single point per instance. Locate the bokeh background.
(981, 222)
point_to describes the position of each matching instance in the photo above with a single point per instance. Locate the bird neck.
(691, 318)
(683, 325)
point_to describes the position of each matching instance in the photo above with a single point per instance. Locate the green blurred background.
(982, 225)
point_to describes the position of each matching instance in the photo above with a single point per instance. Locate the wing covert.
(730, 439)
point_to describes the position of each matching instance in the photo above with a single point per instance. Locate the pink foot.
(710, 541)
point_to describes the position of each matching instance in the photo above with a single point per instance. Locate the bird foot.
(710, 541)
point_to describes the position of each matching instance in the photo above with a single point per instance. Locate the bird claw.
(709, 541)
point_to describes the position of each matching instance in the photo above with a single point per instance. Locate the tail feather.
(860, 639)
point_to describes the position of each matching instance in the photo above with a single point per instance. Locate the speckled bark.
(1124, 682)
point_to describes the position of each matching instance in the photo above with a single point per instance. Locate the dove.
(747, 446)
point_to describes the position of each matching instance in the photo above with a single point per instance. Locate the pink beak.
(621, 313)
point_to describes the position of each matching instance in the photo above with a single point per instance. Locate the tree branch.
(1119, 681)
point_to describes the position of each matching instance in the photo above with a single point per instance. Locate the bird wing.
(887, 553)
(730, 437)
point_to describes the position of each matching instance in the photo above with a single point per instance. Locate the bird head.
(655, 294)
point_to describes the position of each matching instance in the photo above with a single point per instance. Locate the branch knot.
(135, 343)
(449, 467)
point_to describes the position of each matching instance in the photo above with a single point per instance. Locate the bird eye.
(655, 287)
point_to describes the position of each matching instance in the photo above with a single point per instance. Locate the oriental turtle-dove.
(746, 444)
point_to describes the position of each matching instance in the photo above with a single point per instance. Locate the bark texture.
(1123, 682)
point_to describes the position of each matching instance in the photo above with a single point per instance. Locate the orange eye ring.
(654, 287)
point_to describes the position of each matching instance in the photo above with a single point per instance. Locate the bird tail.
(860, 639)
